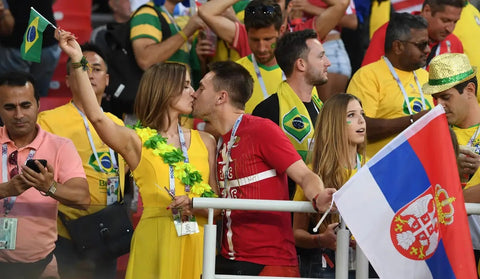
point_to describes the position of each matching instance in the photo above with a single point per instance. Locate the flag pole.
(44, 18)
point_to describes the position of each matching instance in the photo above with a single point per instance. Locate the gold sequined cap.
(448, 70)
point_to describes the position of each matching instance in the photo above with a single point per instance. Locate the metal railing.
(343, 235)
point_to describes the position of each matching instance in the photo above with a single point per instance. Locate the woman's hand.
(183, 203)
(68, 43)
(328, 239)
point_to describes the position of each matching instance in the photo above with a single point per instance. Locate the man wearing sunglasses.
(29, 198)
(390, 89)
(442, 16)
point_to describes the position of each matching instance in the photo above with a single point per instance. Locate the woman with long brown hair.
(338, 152)
(170, 165)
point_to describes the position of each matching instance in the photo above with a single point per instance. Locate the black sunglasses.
(420, 45)
(270, 11)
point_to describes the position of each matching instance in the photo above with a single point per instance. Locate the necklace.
(176, 159)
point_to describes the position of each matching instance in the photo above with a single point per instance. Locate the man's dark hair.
(234, 79)
(399, 28)
(464, 84)
(19, 79)
(292, 46)
(263, 14)
(439, 5)
(89, 47)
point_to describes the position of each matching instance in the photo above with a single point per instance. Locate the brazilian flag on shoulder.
(31, 48)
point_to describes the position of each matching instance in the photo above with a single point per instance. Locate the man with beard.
(390, 89)
(302, 58)
(296, 104)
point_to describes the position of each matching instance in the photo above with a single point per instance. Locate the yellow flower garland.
(172, 156)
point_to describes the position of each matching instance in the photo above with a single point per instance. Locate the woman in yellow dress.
(170, 165)
(338, 151)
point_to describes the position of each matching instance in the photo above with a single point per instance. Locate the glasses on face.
(269, 11)
(420, 45)
(12, 160)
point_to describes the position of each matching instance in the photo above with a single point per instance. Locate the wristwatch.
(52, 189)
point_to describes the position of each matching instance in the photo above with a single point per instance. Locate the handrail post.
(209, 244)
(341, 255)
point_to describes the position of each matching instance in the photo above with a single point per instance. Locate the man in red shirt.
(254, 159)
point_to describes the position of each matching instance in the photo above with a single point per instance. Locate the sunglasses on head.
(263, 10)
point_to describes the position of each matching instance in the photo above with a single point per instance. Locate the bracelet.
(314, 202)
(185, 38)
(411, 119)
(83, 64)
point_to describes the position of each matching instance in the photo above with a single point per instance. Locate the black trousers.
(72, 265)
(24, 270)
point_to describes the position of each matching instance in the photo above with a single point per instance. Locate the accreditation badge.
(112, 189)
(8, 233)
(190, 226)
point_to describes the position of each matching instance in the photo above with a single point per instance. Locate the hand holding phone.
(31, 164)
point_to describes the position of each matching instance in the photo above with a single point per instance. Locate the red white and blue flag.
(405, 207)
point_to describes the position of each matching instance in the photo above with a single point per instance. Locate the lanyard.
(172, 20)
(92, 145)
(183, 145)
(260, 78)
(405, 96)
(230, 144)
(9, 201)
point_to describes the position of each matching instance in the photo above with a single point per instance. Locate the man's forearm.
(212, 14)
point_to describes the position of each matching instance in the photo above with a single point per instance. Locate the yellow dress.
(157, 251)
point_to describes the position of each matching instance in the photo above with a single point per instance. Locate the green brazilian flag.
(31, 48)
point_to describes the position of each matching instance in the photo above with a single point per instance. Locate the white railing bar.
(272, 205)
(249, 204)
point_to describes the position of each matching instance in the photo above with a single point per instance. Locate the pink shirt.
(37, 214)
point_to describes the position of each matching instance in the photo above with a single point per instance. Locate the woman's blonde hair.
(329, 158)
(160, 85)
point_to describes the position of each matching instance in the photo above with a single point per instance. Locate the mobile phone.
(31, 164)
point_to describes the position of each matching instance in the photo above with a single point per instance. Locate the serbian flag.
(31, 48)
(405, 207)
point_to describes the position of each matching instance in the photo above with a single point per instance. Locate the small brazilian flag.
(31, 48)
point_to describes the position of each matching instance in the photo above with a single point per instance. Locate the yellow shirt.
(382, 98)
(272, 77)
(468, 31)
(463, 137)
(67, 122)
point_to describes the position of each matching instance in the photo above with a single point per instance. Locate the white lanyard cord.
(183, 145)
(92, 145)
(226, 160)
(172, 20)
(400, 85)
(260, 78)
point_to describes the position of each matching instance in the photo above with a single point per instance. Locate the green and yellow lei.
(173, 156)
